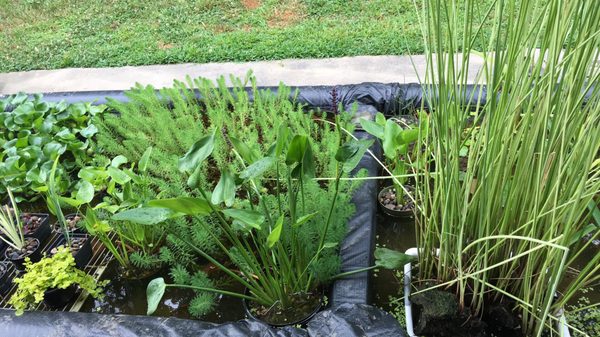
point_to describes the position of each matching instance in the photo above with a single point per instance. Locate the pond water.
(129, 297)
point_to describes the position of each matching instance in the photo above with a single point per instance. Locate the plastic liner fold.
(347, 320)
(368, 98)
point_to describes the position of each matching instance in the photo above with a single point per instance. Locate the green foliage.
(11, 226)
(34, 133)
(169, 31)
(584, 316)
(292, 241)
(170, 124)
(58, 271)
(510, 225)
(396, 140)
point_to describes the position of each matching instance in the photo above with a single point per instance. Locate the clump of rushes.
(510, 227)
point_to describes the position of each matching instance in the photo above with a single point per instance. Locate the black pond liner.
(348, 315)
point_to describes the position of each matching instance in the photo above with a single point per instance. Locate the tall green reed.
(510, 225)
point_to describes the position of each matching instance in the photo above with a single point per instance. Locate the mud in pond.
(129, 297)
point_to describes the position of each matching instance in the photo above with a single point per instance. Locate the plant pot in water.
(57, 298)
(32, 250)
(306, 307)
(72, 221)
(5, 279)
(388, 203)
(410, 318)
(81, 248)
(36, 225)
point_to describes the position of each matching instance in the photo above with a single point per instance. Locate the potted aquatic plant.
(78, 243)
(399, 150)
(508, 228)
(264, 235)
(54, 280)
(20, 246)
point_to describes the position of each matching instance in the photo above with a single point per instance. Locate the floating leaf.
(391, 259)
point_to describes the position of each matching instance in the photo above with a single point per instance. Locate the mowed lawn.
(50, 34)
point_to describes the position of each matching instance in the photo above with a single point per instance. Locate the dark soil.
(436, 314)
(31, 245)
(388, 200)
(302, 307)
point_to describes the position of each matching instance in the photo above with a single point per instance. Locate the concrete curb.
(292, 72)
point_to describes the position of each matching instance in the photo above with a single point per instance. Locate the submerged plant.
(510, 226)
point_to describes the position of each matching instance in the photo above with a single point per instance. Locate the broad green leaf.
(248, 217)
(300, 153)
(145, 215)
(54, 149)
(185, 205)
(408, 136)
(197, 153)
(305, 218)
(144, 160)
(258, 168)
(330, 245)
(296, 150)
(118, 161)
(380, 119)
(350, 153)
(275, 234)
(85, 193)
(225, 189)
(283, 135)
(372, 128)
(69, 201)
(118, 176)
(154, 293)
(194, 179)
(391, 259)
(89, 131)
(244, 150)
(391, 137)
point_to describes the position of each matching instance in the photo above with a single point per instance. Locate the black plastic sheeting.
(356, 249)
(346, 320)
(369, 98)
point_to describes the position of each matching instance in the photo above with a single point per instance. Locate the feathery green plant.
(510, 226)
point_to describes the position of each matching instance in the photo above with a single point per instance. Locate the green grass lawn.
(49, 34)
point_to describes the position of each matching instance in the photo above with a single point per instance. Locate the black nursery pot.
(43, 231)
(56, 228)
(34, 256)
(57, 298)
(83, 255)
(5, 280)
(404, 214)
(299, 321)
